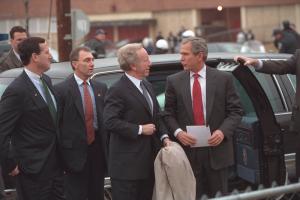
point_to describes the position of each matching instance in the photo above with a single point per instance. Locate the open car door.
(258, 140)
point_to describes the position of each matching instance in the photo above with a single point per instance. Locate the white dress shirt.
(137, 83)
(202, 81)
(79, 82)
(35, 79)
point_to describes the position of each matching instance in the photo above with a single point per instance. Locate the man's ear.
(73, 65)
(133, 67)
(34, 57)
(200, 56)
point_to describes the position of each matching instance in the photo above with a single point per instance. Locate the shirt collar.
(135, 81)
(79, 81)
(202, 72)
(32, 75)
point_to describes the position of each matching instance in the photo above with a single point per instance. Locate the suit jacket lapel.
(135, 91)
(76, 96)
(153, 97)
(98, 95)
(35, 94)
(186, 92)
(211, 83)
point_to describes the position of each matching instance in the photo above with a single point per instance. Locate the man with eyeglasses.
(83, 139)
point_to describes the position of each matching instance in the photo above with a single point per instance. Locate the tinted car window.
(269, 86)
(247, 105)
(293, 80)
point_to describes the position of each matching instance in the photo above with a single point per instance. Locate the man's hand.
(148, 129)
(14, 172)
(185, 139)
(216, 138)
(246, 61)
(167, 142)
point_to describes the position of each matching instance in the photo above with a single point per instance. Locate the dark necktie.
(49, 100)
(197, 102)
(89, 114)
(145, 94)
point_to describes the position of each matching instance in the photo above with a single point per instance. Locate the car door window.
(271, 90)
(292, 78)
(247, 105)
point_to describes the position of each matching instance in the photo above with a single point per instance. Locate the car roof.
(63, 69)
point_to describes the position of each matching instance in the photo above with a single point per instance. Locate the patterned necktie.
(49, 100)
(88, 114)
(145, 94)
(197, 102)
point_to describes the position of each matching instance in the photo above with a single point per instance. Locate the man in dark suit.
(131, 115)
(83, 139)
(289, 66)
(12, 59)
(201, 95)
(28, 119)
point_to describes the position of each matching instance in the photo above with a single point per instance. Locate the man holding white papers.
(203, 96)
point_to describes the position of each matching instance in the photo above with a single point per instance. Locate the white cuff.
(140, 130)
(177, 131)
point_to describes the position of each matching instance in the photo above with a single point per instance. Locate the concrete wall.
(263, 19)
(172, 21)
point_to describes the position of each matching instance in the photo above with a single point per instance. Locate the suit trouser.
(88, 183)
(132, 189)
(29, 188)
(2, 187)
(208, 181)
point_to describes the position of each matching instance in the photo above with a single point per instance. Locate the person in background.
(250, 35)
(98, 44)
(203, 96)
(148, 45)
(287, 29)
(159, 36)
(83, 137)
(132, 118)
(161, 47)
(285, 42)
(29, 114)
(172, 41)
(12, 59)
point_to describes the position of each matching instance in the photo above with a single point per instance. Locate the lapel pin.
(99, 95)
(35, 94)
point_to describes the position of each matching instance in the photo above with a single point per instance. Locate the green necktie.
(49, 100)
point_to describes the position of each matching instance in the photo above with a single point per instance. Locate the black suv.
(264, 147)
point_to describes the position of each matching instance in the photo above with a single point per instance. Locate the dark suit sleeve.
(113, 115)
(233, 109)
(10, 113)
(281, 67)
(170, 107)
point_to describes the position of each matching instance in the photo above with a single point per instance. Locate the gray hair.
(198, 45)
(127, 55)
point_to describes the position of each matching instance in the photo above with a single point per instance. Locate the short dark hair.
(15, 29)
(74, 55)
(29, 46)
